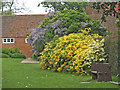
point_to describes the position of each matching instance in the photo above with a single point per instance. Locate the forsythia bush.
(73, 53)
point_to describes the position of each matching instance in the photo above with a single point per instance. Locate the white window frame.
(26, 40)
(7, 40)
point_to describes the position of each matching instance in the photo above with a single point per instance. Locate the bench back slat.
(101, 67)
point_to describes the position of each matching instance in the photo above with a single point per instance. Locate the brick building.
(15, 28)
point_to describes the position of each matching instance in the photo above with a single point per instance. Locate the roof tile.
(19, 25)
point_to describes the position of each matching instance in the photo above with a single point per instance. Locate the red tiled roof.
(19, 25)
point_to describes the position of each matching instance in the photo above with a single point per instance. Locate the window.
(12, 40)
(26, 40)
(4, 40)
(8, 40)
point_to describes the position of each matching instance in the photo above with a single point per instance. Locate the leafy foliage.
(73, 53)
(2, 55)
(63, 23)
(4, 6)
(118, 22)
(35, 56)
(109, 8)
(9, 8)
(11, 52)
(17, 55)
(59, 6)
(7, 12)
(5, 50)
(112, 49)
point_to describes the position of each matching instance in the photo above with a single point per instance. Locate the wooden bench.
(101, 71)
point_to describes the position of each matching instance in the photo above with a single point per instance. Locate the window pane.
(8, 40)
(12, 40)
(4, 40)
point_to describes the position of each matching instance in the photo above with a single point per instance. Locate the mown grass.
(19, 75)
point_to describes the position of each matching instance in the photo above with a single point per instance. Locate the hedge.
(17, 55)
(2, 55)
(11, 52)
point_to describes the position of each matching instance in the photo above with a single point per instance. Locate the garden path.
(29, 60)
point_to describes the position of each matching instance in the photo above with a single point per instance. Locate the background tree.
(109, 8)
(8, 8)
(59, 6)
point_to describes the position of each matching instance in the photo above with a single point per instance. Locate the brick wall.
(19, 43)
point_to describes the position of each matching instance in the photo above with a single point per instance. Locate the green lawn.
(19, 75)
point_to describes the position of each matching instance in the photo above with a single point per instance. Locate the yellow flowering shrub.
(73, 53)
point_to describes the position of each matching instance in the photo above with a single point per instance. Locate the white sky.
(32, 5)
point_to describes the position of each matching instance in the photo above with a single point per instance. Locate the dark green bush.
(118, 22)
(17, 55)
(111, 48)
(35, 56)
(2, 55)
(5, 51)
(117, 32)
(12, 52)
(0, 50)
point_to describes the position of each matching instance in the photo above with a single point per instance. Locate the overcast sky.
(32, 5)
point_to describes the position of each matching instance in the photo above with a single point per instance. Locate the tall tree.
(6, 8)
(58, 6)
(11, 7)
